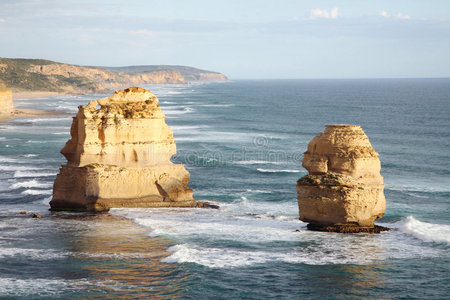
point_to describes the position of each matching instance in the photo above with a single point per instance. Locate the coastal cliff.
(44, 75)
(6, 102)
(119, 156)
(344, 189)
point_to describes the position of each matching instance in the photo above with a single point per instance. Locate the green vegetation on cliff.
(15, 74)
(46, 75)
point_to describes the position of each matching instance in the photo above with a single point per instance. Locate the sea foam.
(258, 162)
(8, 159)
(50, 288)
(427, 232)
(31, 184)
(214, 238)
(37, 192)
(18, 168)
(229, 258)
(177, 110)
(20, 174)
(277, 171)
(35, 254)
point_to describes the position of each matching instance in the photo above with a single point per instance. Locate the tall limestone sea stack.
(6, 101)
(119, 156)
(344, 189)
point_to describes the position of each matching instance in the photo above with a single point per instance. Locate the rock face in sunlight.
(119, 156)
(344, 189)
(6, 101)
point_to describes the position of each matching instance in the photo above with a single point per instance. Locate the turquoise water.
(242, 142)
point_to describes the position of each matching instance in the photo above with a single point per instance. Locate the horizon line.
(337, 78)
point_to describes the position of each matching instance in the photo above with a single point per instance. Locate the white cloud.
(145, 32)
(2, 20)
(323, 13)
(399, 15)
(402, 16)
(334, 13)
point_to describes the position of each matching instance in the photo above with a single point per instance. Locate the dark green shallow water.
(242, 142)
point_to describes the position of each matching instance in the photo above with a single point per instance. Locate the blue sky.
(242, 39)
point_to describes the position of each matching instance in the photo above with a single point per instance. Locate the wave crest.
(277, 171)
(427, 232)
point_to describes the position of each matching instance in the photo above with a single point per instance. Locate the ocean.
(242, 142)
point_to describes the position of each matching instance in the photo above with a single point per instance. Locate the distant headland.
(38, 75)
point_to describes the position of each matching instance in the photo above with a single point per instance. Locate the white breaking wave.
(18, 168)
(20, 174)
(258, 162)
(31, 184)
(277, 171)
(35, 120)
(45, 201)
(37, 192)
(239, 221)
(30, 155)
(38, 254)
(174, 110)
(189, 129)
(239, 228)
(229, 258)
(215, 105)
(206, 236)
(8, 159)
(116, 255)
(427, 232)
(260, 191)
(250, 222)
(50, 287)
(26, 287)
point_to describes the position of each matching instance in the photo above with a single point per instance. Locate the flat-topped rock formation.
(344, 190)
(6, 101)
(119, 156)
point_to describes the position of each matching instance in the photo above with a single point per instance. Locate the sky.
(248, 39)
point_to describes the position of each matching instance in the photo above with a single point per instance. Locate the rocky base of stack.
(336, 202)
(346, 228)
(98, 187)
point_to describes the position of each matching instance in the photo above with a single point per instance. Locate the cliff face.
(206, 77)
(61, 72)
(44, 75)
(105, 79)
(6, 102)
(344, 185)
(168, 76)
(119, 156)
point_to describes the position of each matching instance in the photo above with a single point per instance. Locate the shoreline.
(26, 112)
(39, 94)
(29, 113)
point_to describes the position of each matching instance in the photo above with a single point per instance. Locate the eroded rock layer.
(344, 188)
(119, 156)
